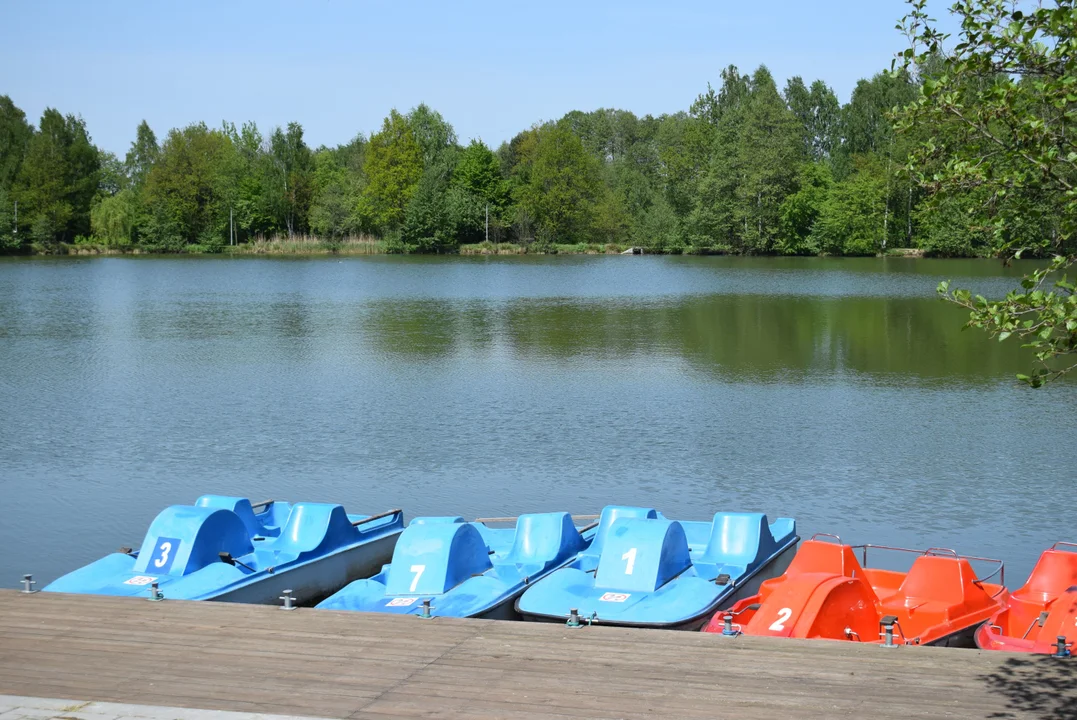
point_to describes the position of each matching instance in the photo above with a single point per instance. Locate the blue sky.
(491, 68)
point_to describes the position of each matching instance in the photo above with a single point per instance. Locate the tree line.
(747, 168)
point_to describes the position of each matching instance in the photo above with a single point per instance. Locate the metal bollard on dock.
(288, 600)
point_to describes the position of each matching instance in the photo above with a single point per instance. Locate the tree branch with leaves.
(1002, 104)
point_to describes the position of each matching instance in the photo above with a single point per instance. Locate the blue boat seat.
(740, 539)
(642, 555)
(184, 538)
(311, 526)
(610, 513)
(239, 505)
(433, 557)
(541, 540)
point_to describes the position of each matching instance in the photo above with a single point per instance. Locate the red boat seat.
(816, 556)
(936, 585)
(1055, 571)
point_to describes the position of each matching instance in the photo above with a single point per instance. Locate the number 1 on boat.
(630, 556)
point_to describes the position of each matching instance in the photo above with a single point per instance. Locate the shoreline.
(368, 246)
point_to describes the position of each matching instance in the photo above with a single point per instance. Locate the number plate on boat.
(139, 580)
(614, 597)
(400, 602)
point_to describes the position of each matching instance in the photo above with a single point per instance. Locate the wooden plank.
(336, 664)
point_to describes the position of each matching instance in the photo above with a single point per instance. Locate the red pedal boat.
(826, 593)
(1041, 616)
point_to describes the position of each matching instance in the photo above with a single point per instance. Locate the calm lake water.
(840, 392)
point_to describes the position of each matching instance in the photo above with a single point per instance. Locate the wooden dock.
(220, 656)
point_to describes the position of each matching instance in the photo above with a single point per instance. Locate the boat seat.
(241, 506)
(642, 555)
(314, 526)
(543, 539)
(185, 538)
(432, 558)
(739, 539)
(1055, 571)
(935, 584)
(610, 513)
(817, 556)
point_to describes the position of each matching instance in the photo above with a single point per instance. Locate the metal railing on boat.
(575, 519)
(942, 552)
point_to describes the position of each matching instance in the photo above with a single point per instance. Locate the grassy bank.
(280, 245)
(369, 245)
(489, 248)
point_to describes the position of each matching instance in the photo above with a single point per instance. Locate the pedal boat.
(826, 593)
(221, 549)
(444, 566)
(643, 570)
(1040, 616)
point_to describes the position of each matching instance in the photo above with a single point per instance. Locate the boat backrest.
(642, 555)
(610, 513)
(1055, 571)
(315, 527)
(543, 538)
(816, 556)
(742, 539)
(432, 558)
(936, 578)
(241, 506)
(434, 519)
(185, 538)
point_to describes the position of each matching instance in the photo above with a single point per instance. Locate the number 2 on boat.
(783, 617)
(630, 556)
(418, 570)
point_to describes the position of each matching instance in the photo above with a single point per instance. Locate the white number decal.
(139, 580)
(783, 617)
(614, 597)
(418, 570)
(630, 556)
(165, 548)
(400, 602)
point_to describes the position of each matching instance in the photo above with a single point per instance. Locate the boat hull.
(746, 588)
(316, 580)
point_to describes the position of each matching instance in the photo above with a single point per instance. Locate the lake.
(840, 392)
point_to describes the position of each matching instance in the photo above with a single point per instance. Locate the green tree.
(428, 224)
(58, 179)
(186, 193)
(851, 219)
(291, 177)
(1007, 88)
(477, 186)
(9, 240)
(113, 218)
(142, 155)
(393, 167)
(15, 134)
(250, 197)
(713, 221)
(434, 135)
(800, 210)
(770, 151)
(559, 184)
(335, 197)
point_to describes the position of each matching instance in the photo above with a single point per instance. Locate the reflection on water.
(837, 391)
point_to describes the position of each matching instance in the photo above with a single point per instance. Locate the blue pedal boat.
(643, 570)
(221, 549)
(444, 566)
